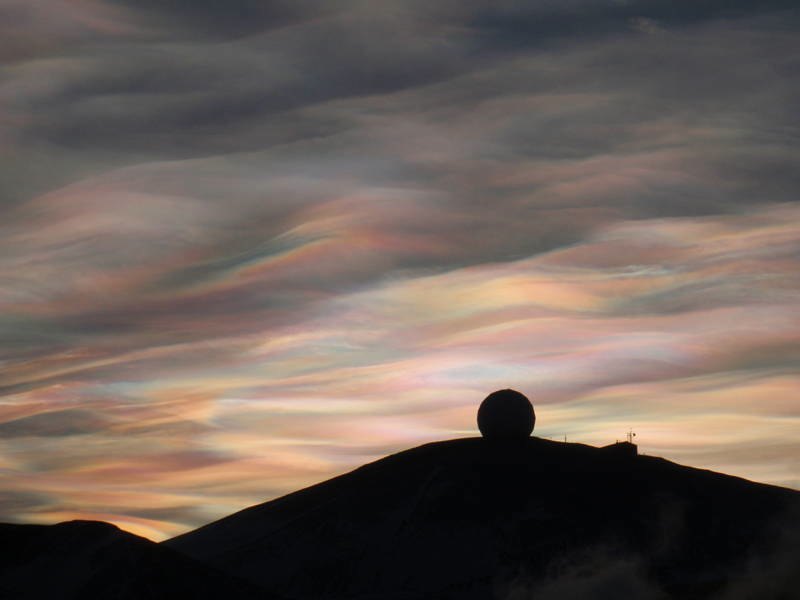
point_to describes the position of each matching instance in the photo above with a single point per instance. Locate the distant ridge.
(92, 559)
(473, 518)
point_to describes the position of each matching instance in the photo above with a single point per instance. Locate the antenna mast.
(631, 435)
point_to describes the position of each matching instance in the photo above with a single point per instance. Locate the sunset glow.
(239, 257)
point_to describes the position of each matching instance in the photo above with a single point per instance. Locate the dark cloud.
(13, 502)
(191, 98)
(515, 25)
(37, 29)
(57, 423)
(235, 18)
(505, 23)
(164, 98)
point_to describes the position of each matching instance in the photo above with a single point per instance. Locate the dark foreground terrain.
(91, 559)
(471, 518)
(462, 519)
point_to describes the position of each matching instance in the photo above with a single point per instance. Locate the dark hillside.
(473, 518)
(91, 559)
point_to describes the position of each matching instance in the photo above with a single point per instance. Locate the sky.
(246, 246)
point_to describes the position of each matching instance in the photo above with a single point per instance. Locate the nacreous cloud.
(247, 247)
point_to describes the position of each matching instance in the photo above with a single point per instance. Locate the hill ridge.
(494, 510)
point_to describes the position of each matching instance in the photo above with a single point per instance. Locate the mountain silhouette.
(92, 559)
(515, 519)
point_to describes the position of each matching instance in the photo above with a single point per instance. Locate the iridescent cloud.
(236, 262)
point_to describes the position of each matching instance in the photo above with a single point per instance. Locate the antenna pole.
(631, 435)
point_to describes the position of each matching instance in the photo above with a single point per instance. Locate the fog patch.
(599, 573)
